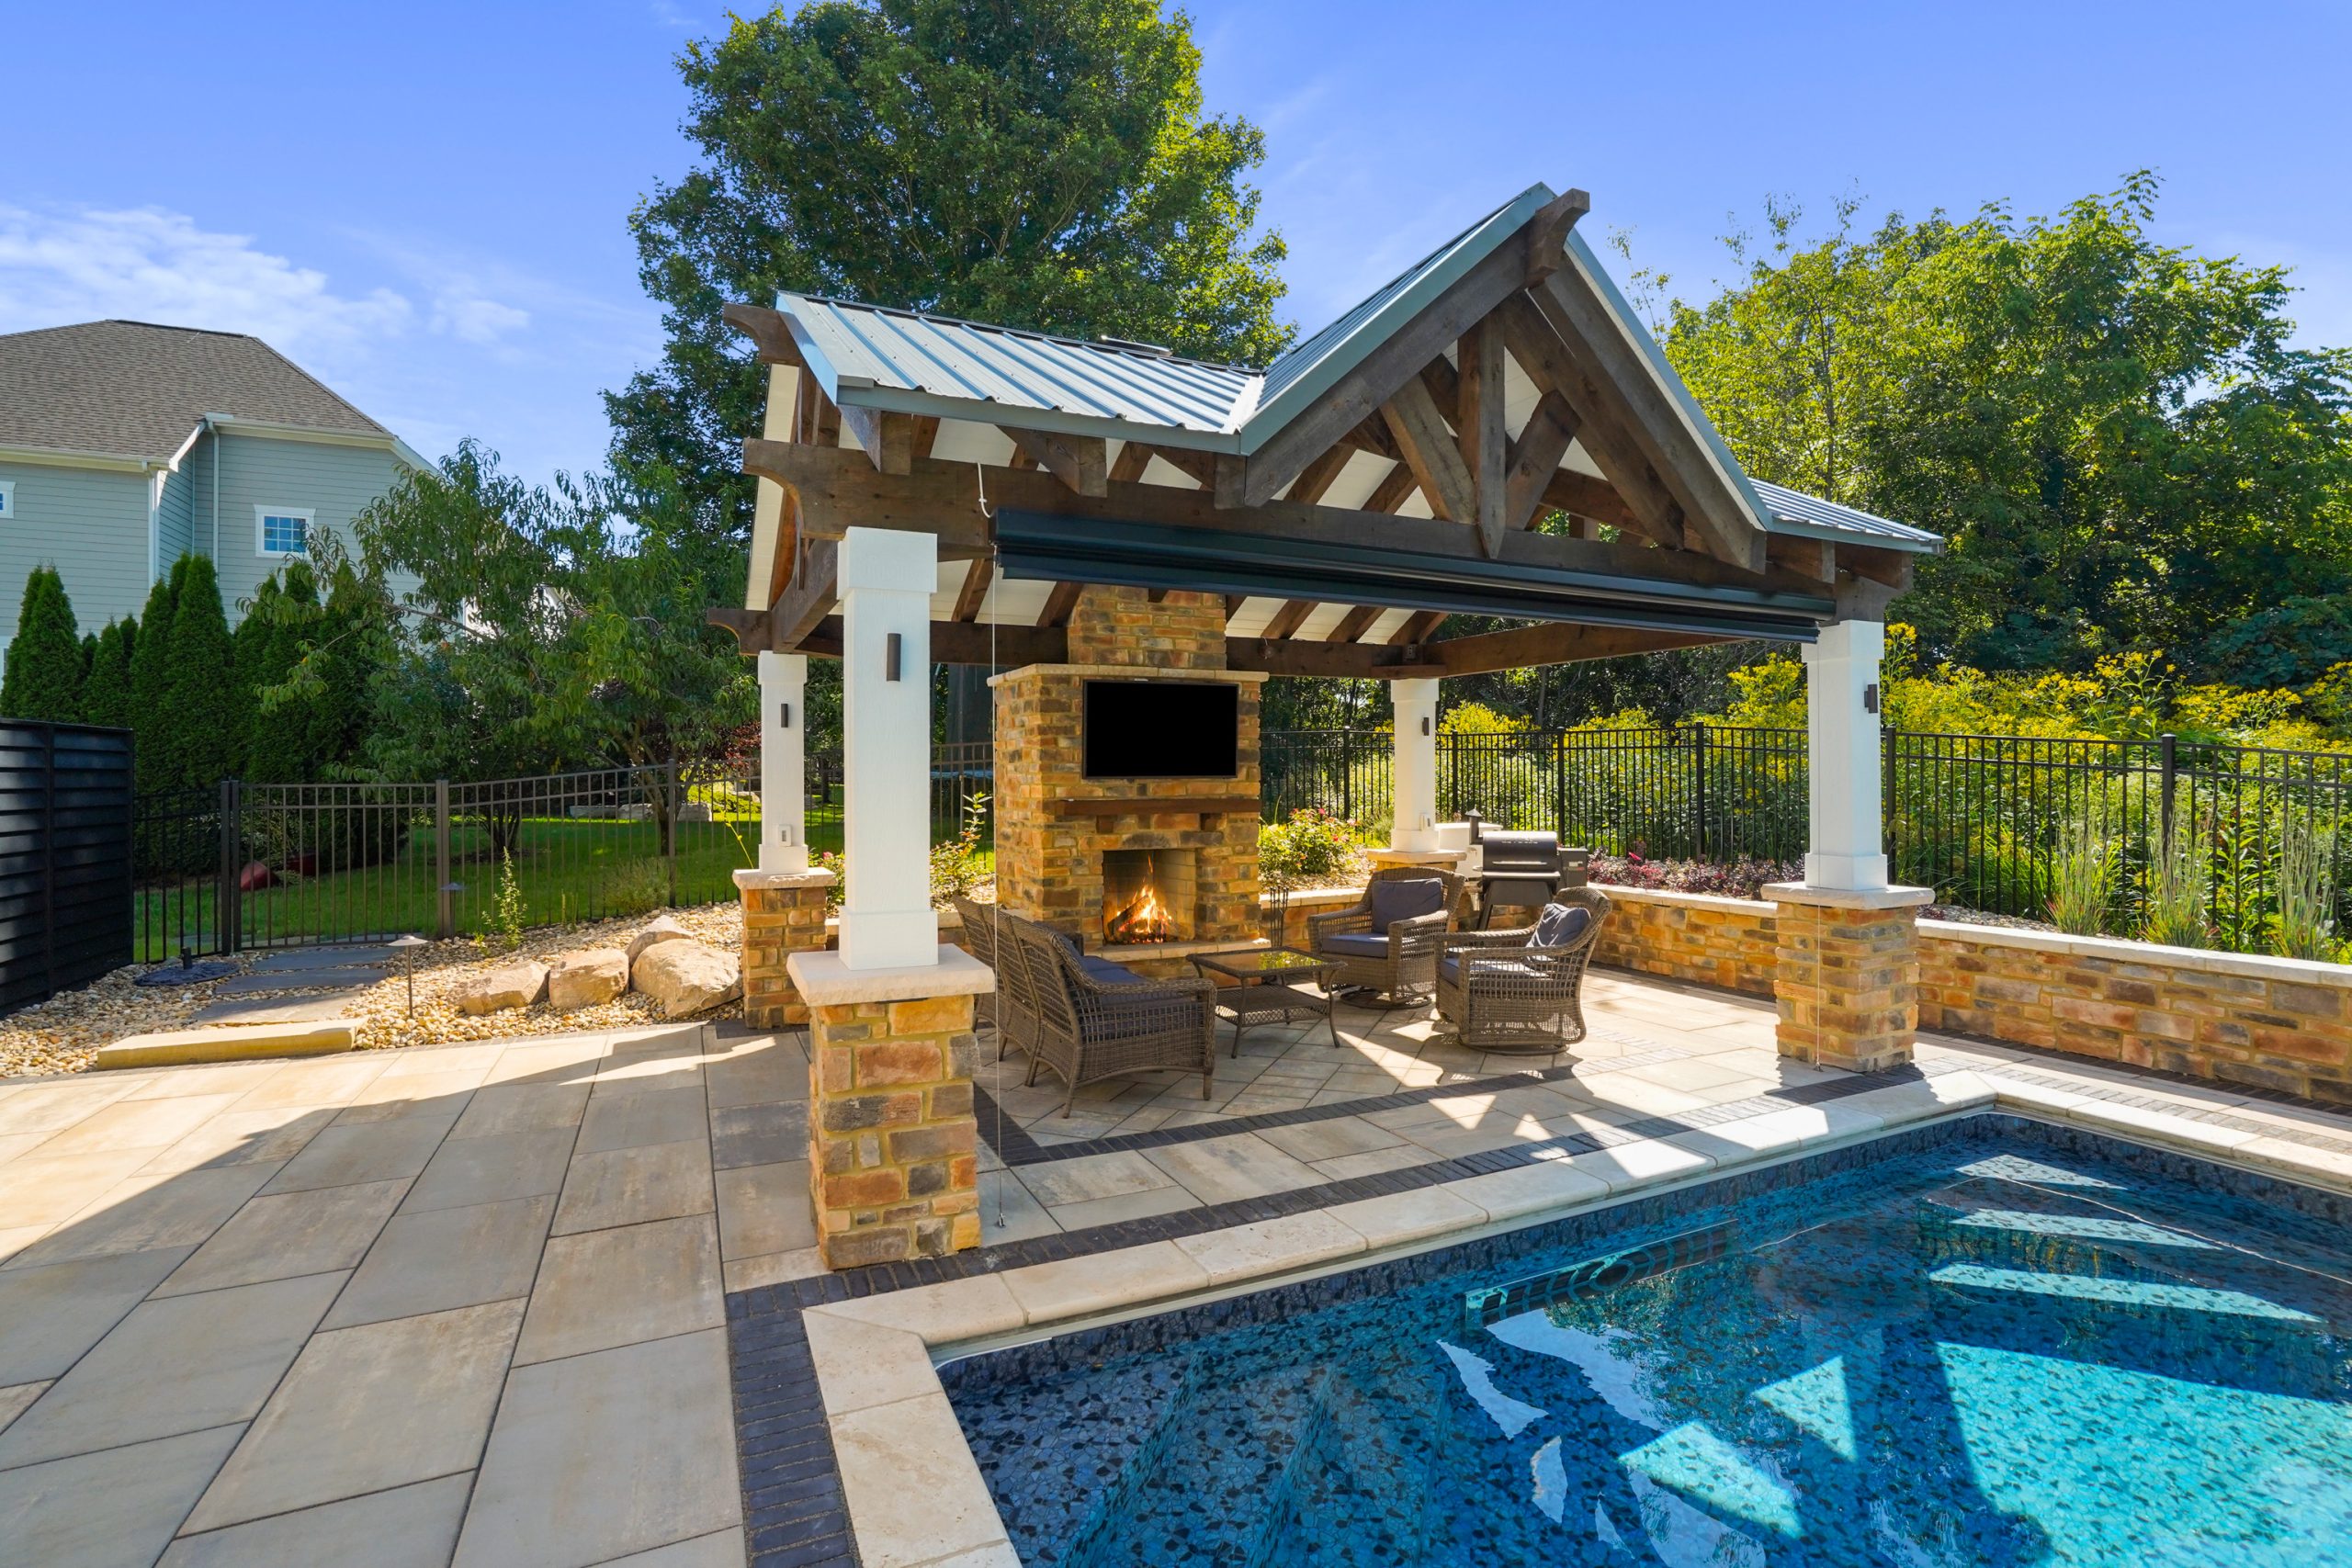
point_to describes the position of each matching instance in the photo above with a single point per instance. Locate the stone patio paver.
(111, 1509)
(408, 1527)
(623, 1285)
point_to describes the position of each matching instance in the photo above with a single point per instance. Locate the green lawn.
(567, 870)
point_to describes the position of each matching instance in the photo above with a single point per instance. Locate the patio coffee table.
(1267, 988)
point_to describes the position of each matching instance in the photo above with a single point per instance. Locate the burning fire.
(1142, 918)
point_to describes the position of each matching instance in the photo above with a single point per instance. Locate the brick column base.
(893, 1143)
(1846, 974)
(783, 913)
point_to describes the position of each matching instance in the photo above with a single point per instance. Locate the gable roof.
(137, 390)
(908, 362)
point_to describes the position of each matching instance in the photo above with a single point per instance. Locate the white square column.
(1842, 754)
(783, 750)
(885, 583)
(1414, 824)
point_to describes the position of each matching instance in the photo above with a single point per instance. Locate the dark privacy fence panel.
(65, 803)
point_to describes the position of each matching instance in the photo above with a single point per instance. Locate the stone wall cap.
(1755, 908)
(2124, 950)
(823, 980)
(1847, 898)
(755, 881)
(1134, 672)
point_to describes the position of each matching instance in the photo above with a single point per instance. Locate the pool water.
(2007, 1345)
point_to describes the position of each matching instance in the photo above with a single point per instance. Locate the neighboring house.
(125, 446)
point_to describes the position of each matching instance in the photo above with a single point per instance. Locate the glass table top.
(1263, 961)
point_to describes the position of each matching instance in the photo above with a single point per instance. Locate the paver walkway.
(388, 1309)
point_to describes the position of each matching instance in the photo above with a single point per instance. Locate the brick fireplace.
(1076, 852)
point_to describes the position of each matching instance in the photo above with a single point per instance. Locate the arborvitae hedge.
(44, 672)
(151, 662)
(205, 700)
(106, 695)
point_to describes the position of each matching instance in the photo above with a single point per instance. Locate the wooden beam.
(888, 439)
(1076, 461)
(1396, 487)
(1484, 438)
(1535, 458)
(1431, 452)
(1816, 559)
(1234, 602)
(1680, 457)
(1021, 460)
(770, 333)
(1134, 458)
(810, 597)
(1566, 490)
(1371, 434)
(784, 553)
(926, 434)
(1548, 234)
(1444, 383)
(1198, 467)
(1890, 568)
(1352, 625)
(1548, 363)
(1059, 603)
(1341, 661)
(750, 626)
(839, 490)
(1287, 619)
(1419, 627)
(1526, 647)
(1500, 273)
(975, 592)
(956, 642)
(1318, 475)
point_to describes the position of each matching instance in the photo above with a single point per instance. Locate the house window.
(8, 500)
(282, 530)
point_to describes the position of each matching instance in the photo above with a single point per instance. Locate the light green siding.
(90, 523)
(329, 482)
(174, 519)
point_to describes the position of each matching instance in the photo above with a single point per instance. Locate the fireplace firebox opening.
(1150, 896)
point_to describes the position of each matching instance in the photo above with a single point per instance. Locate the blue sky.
(426, 204)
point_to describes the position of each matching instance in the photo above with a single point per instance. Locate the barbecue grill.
(1522, 870)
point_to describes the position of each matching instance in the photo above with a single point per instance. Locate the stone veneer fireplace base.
(1051, 836)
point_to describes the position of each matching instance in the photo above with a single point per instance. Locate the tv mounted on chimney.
(1162, 729)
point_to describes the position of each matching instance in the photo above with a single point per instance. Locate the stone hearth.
(1050, 846)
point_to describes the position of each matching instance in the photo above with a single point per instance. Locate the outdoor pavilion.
(942, 491)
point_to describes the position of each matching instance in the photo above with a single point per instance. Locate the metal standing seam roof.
(906, 361)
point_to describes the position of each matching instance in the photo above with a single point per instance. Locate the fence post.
(1699, 746)
(226, 913)
(670, 824)
(2169, 776)
(446, 926)
(1560, 788)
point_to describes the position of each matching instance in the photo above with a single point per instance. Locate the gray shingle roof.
(126, 388)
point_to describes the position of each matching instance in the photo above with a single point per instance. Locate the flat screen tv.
(1162, 729)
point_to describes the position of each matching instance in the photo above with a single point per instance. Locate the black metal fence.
(65, 803)
(1980, 818)
(251, 866)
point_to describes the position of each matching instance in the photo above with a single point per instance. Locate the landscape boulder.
(662, 929)
(687, 976)
(517, 984)
(586, 978)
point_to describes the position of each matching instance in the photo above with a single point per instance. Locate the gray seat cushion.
(1559, 925)
(1108, 973)
(1500, 968)
(1403, 898)
(1356, 944)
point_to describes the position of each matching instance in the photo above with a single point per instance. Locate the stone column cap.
(823, 980)
(752, 880)
(1847, 898)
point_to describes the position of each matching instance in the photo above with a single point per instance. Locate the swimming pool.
(1986, 1341)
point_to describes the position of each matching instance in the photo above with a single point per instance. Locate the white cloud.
(146, 264)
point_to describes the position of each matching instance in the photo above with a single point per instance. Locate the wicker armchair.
(1401, 962)
(979, 922)
(1089, 1025)
(1504, 990)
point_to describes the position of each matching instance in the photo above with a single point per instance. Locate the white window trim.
(8, 501)
(309, 520)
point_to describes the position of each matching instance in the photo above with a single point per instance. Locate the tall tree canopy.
(1043, 164)
(2116, 437)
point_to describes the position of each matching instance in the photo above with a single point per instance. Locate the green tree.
(151, 663)
(44, 675)
(205, 700)
(1043, 164)
(105, 696)
(2116, 437)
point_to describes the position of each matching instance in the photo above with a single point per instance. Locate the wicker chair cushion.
(1401, 899)
(1559, 926)
(1107, 972)
(1355, 945)
(1500, 968)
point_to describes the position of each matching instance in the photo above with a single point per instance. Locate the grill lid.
(1520, 853)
